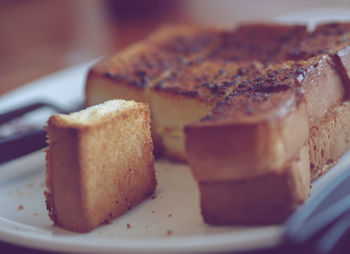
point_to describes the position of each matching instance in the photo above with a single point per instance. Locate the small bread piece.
(225, 150)
(99, 163)
(264, 199)
(329, 140)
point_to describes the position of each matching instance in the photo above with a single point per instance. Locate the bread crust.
(329, 140)
(98, 170)
(247, 149)
(265, 199)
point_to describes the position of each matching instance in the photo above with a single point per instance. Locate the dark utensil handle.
(8, 116)
(21, 144)
(27, 141)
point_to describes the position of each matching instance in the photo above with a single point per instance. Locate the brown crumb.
(146, 226)
(170, 215)
(30, 185)
(153, 211)
(20, 207)
(19, 193)
(35, 214)
(153, 197)
(128, 225)
(169, 232)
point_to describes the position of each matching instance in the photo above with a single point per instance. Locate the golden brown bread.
(99, 164)
(329, 140)
(248, 102)
(262, 199)
(150, 72)
(320, 85)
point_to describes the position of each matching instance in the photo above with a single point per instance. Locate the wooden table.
(39, 37)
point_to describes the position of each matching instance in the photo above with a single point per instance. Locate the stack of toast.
(257, 112)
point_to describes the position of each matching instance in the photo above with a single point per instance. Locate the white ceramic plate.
(169, 223)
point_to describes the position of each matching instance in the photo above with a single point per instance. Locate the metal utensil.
(22, 131)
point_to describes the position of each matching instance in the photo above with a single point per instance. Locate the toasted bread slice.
(246, 149)
(167, 69)
(264, 199)
(99, 163)
(272, 196)
(264, 122)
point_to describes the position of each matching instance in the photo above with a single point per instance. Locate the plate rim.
(229, 241)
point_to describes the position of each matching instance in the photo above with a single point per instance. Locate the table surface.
(39, 37)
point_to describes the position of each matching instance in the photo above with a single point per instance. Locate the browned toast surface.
(261, 42)
(325, 39)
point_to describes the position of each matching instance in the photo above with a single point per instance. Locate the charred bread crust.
(329, 140)
(342, 61)
(250, 42)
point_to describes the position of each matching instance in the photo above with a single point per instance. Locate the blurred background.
(38, 37)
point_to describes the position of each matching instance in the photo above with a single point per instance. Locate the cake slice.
(99, 163)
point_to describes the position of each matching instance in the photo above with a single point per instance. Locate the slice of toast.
(99, 164)
(167, 68)
(189, 94)
(263, 199)
(270, 196)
